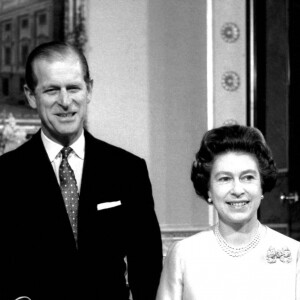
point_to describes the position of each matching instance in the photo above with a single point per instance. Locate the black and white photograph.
(149, 149)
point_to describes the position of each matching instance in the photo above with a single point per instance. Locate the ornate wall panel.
(228, 55)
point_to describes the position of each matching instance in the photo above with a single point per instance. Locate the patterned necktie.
(69, 189)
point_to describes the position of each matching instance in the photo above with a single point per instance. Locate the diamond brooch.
(284, 255)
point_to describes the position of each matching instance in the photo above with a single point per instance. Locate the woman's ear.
(209, 194)
(30, 96)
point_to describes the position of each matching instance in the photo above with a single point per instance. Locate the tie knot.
(65, 151)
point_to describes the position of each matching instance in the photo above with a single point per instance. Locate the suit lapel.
(88, 194)
(96, 177)
(47, 193)
(96, 187)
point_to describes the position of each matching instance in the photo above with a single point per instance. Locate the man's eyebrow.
(72, 85)
(51, 85)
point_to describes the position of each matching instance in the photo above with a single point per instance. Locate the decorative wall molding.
(228, 61)
(230, 81)
(230, 32)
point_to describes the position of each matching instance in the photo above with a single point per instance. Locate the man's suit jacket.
(39, 256)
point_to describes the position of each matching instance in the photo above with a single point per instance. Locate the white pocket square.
(106, 205)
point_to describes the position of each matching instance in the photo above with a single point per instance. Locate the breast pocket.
(111, 229)
(111, 219)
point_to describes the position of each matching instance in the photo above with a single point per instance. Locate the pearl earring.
(262, 197)
(209, 200)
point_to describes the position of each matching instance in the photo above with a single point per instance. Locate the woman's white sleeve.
(171, 281)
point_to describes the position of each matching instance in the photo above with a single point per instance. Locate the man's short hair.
(51, 50)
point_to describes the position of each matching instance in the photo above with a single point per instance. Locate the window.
(24, 23)
(5, 86)
(24, 54)
(7, 56)
(7, 27)
(42, 19)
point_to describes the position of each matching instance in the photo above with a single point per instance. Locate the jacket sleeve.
(11, 273)
(145, 247)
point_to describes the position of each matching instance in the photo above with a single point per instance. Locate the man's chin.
(65, 137)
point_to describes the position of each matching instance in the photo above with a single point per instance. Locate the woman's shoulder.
(279, 239)
(196, 242)
(205, 234)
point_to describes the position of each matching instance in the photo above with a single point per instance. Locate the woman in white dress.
(238, 258)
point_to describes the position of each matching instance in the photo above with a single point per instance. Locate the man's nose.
(64, 98)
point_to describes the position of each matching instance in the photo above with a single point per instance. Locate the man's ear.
(30, 96)
(89, 86)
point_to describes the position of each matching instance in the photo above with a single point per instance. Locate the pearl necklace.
(233, 251)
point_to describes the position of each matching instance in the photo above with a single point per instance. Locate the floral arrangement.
(12, 135)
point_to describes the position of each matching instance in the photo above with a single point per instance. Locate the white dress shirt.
(75, 158)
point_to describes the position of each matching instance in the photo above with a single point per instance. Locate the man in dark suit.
(100, 241)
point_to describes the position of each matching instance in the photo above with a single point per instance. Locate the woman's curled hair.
(232, 138)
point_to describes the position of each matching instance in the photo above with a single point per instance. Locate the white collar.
(53, 149)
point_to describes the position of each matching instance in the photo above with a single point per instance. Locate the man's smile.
(66, 115)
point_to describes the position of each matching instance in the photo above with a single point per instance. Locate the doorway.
(274, 96)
